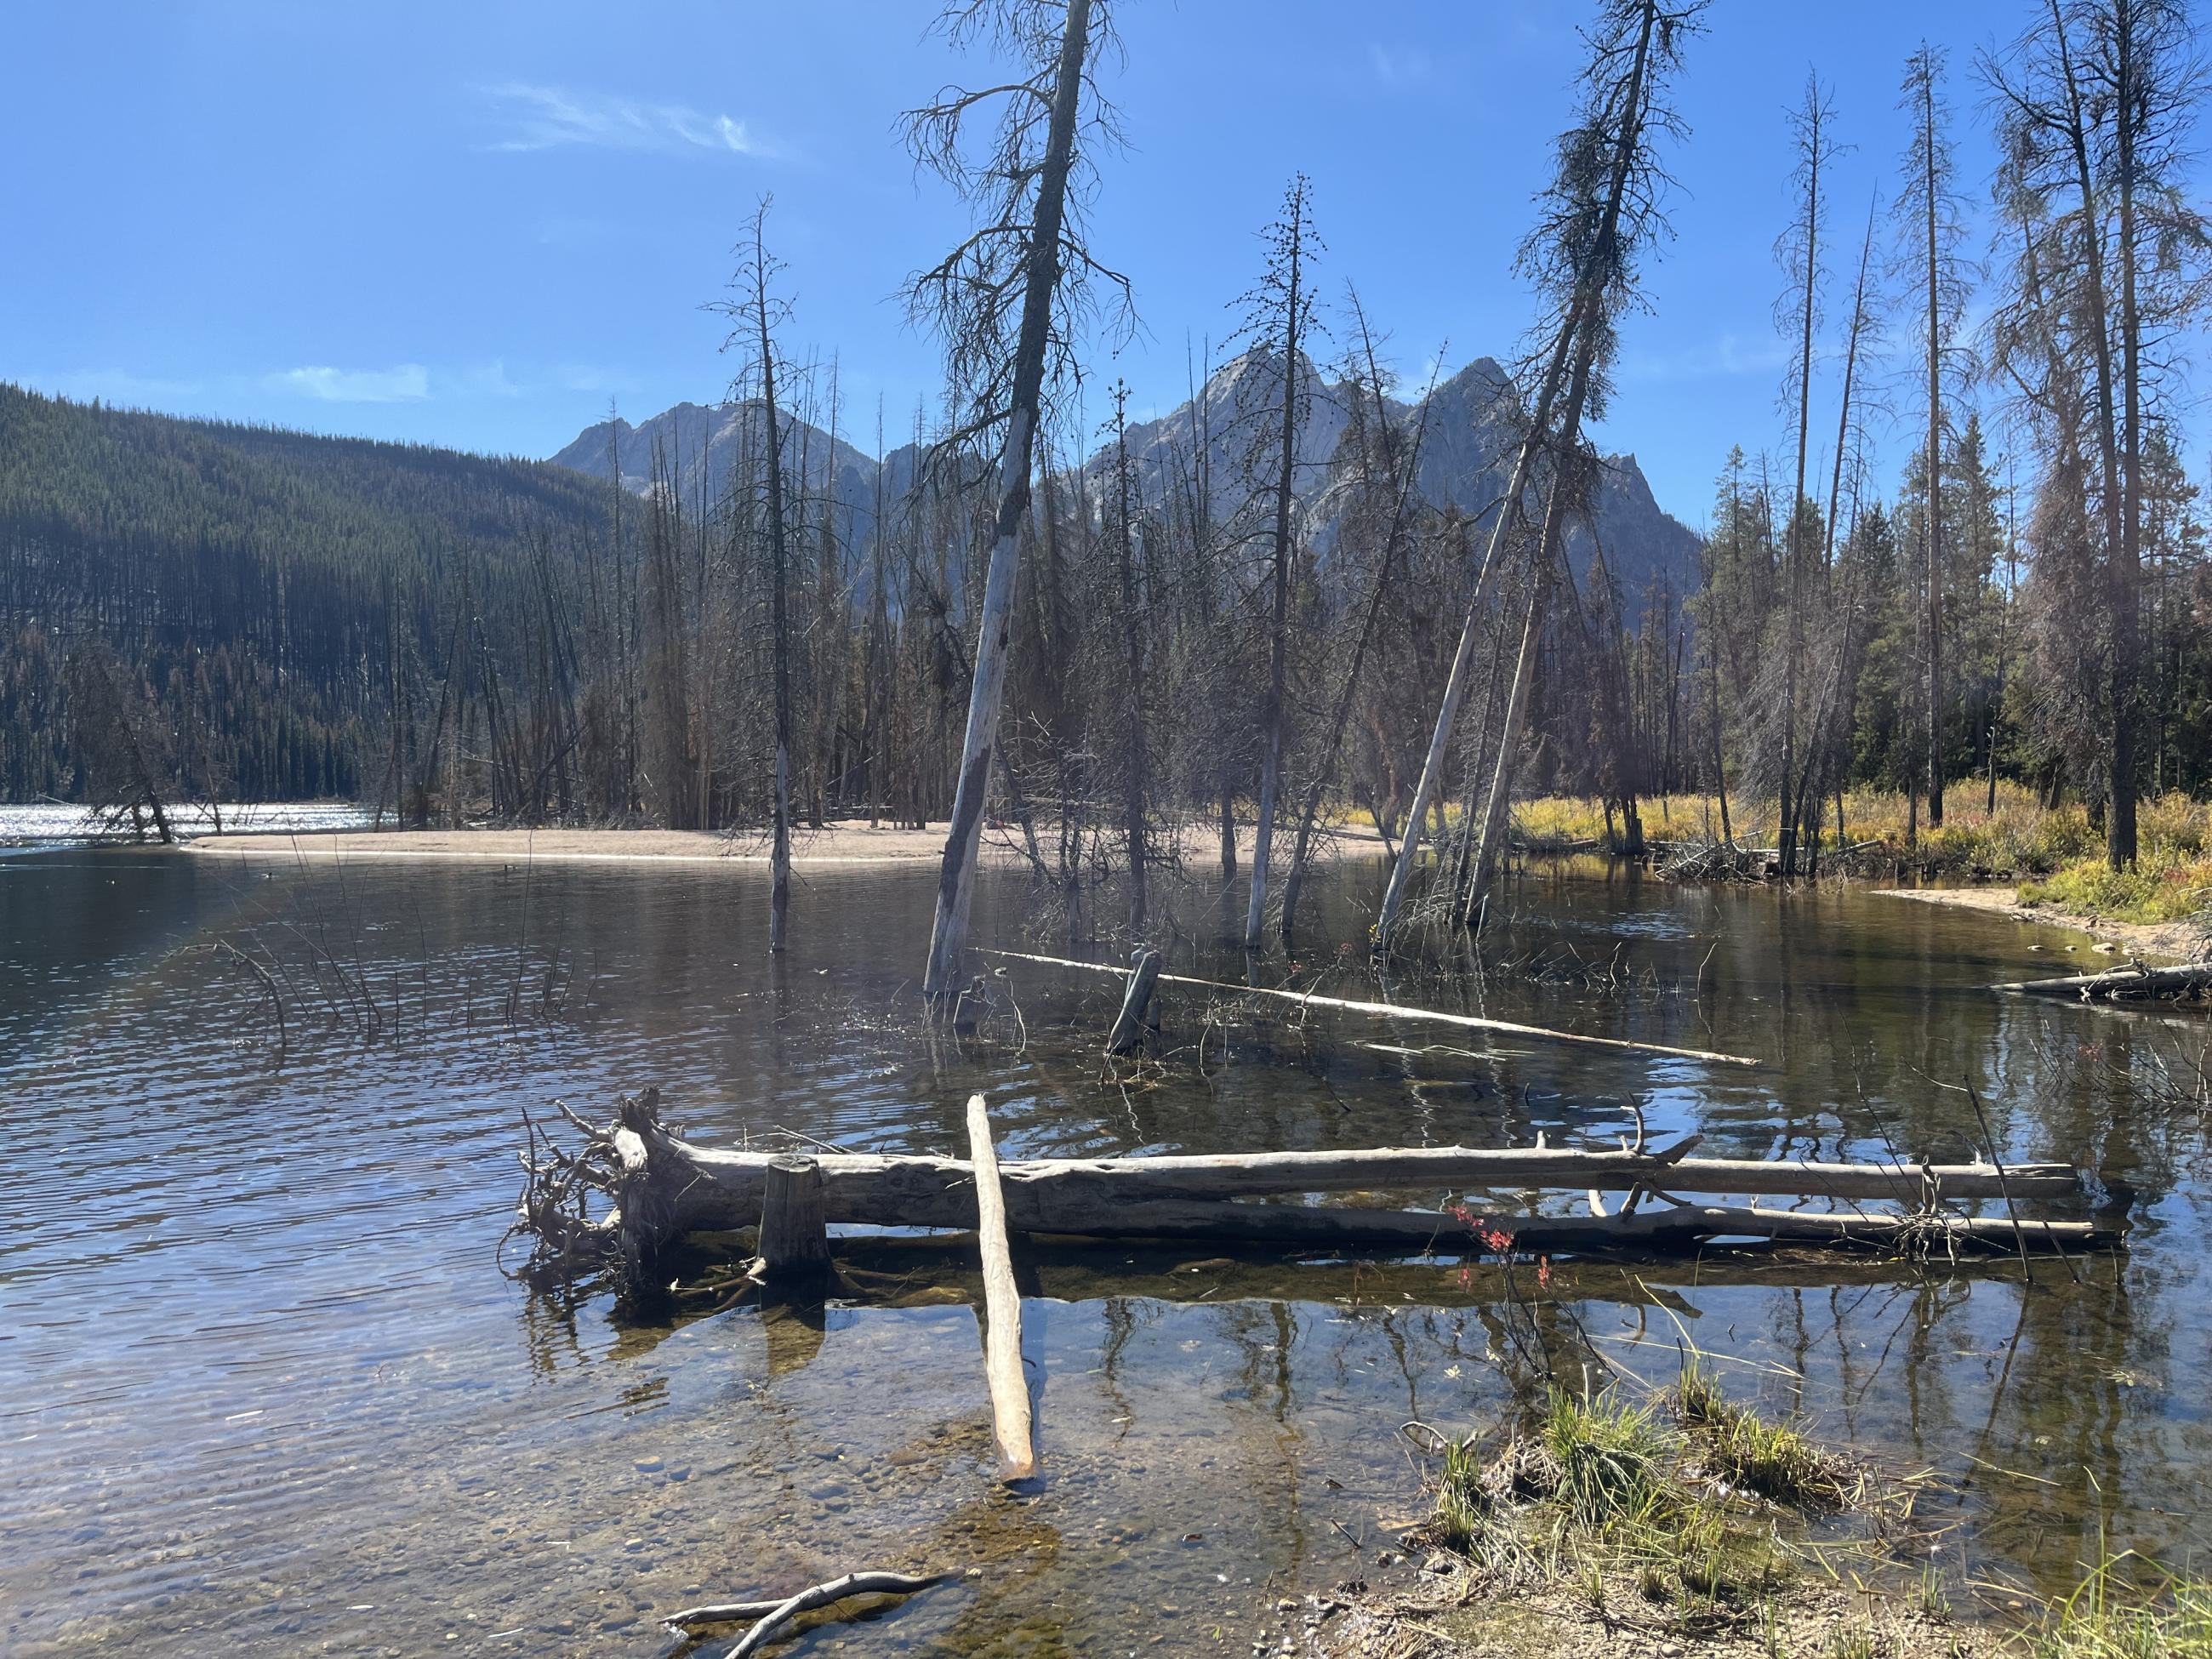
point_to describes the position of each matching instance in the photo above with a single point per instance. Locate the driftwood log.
(768, 1619)
(1002, 1308)
(2130, 981)
(662, 1186)
(1392, 1011)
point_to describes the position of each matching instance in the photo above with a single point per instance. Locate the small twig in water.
(773, 1616)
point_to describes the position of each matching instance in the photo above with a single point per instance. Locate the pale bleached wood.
(816, 1595)
(1002, 1306)
(1392, 1011)
(666, 1187)
(2128, 980)
(722, 1190)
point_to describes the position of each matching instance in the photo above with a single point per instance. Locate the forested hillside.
(247, 597)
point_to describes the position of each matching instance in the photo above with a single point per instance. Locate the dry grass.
(2056, 852)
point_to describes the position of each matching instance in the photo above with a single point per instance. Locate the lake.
(264, 1388)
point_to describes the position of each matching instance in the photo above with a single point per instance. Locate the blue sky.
(475, 224)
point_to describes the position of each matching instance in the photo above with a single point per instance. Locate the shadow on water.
(262, 1385)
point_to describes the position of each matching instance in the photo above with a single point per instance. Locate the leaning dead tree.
(1600, 211)
(1006, 301)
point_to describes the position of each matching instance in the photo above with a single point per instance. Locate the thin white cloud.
(1401, 67)
(404, 383)
(485, 380)
(1726, 355)
(554, 117)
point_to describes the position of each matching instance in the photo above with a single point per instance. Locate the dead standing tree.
(1278, 324)
(757, 313)
(1136, 757)
(1006, 301)
(1798, 252)
(1602, 206)
(1389, 465)
(1929, 213)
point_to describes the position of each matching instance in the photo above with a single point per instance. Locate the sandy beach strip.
(837, 843)
(2178, 941)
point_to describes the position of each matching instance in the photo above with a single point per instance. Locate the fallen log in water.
(1002, 1308)
(2131, 980)
(1392, 1011)
(663, 1187)
(1670, 1227)
(723, 1188)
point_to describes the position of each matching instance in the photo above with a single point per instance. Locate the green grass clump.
(1777, 1462)
(1604, 1491)
(1616, 1462)
(1738, 1447)
(1461, 1518)
(2095, 1622)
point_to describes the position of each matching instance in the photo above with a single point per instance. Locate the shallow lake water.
(264, 1389)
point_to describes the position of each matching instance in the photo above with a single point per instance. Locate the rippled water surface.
(264, 1391)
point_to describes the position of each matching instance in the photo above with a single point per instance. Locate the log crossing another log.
(663, 1187)
(1392, 1011)
(1002, 1307)
(2130, 981)
(717, 1190)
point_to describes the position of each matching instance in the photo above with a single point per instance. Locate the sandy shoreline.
(837, 843)
(2175, 940)
(858, 844)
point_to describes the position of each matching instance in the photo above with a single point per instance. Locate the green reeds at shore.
(1677, 1497)
(2110, 1615)
(1680, 1503)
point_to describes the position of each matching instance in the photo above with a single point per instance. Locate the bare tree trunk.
(779, 903)
(955, 881)
(1808, 128)
(1271, 759)
(1497, 809)
(1135, 761)
(1589, 283)
(1409, 467)
(1935, 465)
(2127, 555)
(2120, 823)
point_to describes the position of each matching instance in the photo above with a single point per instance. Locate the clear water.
(264, 1390)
